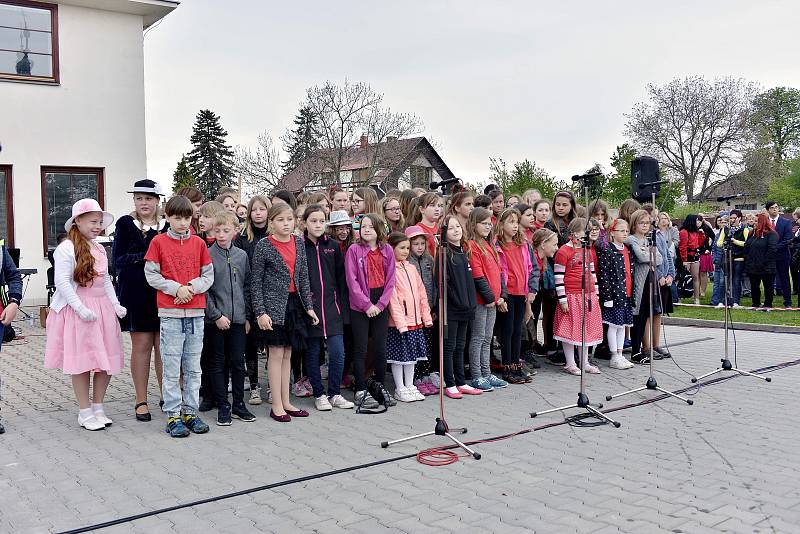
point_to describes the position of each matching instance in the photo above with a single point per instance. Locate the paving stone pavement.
(726, 464)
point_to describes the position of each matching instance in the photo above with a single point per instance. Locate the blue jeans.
(718, 296)
(335, 364)
(181, 345)
(736, 282)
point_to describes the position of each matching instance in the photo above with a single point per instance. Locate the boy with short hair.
(227, 319)
(178, 266)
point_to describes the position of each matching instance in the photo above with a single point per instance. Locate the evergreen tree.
(211, 159)
(302, 141)
(182, 177)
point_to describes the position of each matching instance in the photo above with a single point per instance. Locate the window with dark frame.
(61, 188)
(28, 41)
(6, 206)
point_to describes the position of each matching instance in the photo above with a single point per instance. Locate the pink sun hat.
(88, 205)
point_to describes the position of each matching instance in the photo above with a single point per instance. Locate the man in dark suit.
(784, 229)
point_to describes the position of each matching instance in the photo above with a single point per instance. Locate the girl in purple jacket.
(370, 273)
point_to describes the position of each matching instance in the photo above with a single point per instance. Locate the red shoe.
(449, 394)
(468, 390)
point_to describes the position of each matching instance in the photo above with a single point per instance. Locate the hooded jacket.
(408, 307)
(328, 286)
(355, 268)
(461, 291)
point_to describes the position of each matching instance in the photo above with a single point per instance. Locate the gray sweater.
(269, 281)
(230, 293)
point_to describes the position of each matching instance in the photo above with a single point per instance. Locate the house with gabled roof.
(390, 164)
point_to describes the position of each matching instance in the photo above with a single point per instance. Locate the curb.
(706, 323)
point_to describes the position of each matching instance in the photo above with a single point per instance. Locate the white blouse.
(66, 286)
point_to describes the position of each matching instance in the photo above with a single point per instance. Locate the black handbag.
(378, 392)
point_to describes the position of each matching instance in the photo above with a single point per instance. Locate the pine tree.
(182, 177)
(211, 159)
(302, 141)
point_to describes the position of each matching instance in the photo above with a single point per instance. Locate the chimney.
(364, 141)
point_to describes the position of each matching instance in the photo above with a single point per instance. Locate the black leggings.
(454, 342)
(640, 320)
(364, 329)
(511, 329)
(548, 302)
(251, 356)
(769, 289)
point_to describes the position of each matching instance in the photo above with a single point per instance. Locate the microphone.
(730, 197)
(444, 183)
(648, 184)
(588, 175)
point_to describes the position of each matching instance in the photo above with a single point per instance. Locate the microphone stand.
(726, 362)
(583, 398)
(441, 428)
(651, 383)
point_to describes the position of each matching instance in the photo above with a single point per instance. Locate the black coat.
(328, 287)
(760, 254)
(461, 291)
(128, 250)
(249, 246)
(611, 275)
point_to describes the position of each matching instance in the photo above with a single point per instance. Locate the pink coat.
(408, 306)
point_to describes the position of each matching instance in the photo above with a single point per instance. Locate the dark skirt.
(666, 299)
(407, 347)
(294, 330)
(139, 298)
(618, 315)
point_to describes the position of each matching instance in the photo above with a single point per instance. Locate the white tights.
(616, 339)
(403, 375)
(569, 354)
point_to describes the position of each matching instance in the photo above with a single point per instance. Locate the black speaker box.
(645, 177)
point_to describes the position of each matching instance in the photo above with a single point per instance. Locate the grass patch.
(739, 315)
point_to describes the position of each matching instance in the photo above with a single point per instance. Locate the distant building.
(730, 187)
(72, 123)
(394, 163)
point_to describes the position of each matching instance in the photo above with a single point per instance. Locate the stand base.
(727, 366)
(440, 429)
(652, 385)
(583, 403)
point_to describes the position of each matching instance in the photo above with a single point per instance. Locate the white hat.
(339, 218)
(88, 205)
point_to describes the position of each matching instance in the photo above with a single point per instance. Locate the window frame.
(9, 237)
(55, 79)
(101, 191)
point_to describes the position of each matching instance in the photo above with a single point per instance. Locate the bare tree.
(697, 129)
(258, 168)
(346, 112)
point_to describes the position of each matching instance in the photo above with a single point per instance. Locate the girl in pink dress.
(83, 333)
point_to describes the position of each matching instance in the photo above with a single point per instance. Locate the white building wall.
(94, 118)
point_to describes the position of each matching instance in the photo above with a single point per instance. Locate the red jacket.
(690, 243)
(485, 265)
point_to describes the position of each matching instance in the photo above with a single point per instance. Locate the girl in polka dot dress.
(409, 315)
(616, 288)
(569, 320)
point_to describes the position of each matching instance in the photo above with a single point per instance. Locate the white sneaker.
(323, 371)
(620, 362)
(90, 423)
(417, 395)
(434, 377)
(404, 395)
(337, 401)
(322, 404)
(255, 396)
(736, 305)
(720, 305)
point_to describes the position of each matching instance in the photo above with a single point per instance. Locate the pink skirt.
(568, 326)
(78, 346)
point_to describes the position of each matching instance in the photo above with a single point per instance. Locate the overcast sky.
(547, 81)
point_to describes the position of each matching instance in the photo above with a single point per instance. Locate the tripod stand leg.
(715, 371)
(609, 397)
(474, 454)
(671, 394)
(551, 410)
(457, 430)
(603, 416)
(748, 373)
(409, 438)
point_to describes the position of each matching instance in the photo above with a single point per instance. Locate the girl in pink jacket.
(409, 314)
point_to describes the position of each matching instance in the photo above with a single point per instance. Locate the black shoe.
(526, 370)
(642, 358)
(2, 429)
(602, 352)
(144, 417)
(556, 357)
(224, 417)
(530, 359)
(243, 414)
(207, 404)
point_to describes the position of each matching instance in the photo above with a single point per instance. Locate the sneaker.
(368, 402)
(390, 400)
(526, 369)
(736, 305)
(91, 422)
(452, 393)
(337, 401)
(404, 395)
(242, 414)
(224, 417)
(207, 404)
(323, 371)
(482, 384)
(323, 404)
(496, 382)
(434, 379)
(663, 352)
(468, 390)
(514, 377)
(418, 396)
(255, 396)
(299, 389)
(720, 305)
(619, 361)
(2, 428)
(176, 428)
(194, 423)
(641, 358)
(426, 388)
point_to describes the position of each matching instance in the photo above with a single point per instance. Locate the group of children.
(344, 277)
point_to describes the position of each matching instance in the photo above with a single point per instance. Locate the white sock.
(397, 374)
(408, 375)
(97, 408)
(569, 353)
(85, 413)
(453, 389)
